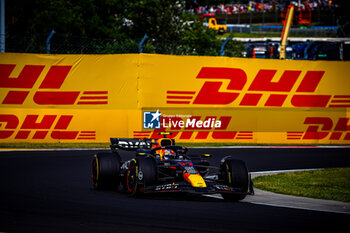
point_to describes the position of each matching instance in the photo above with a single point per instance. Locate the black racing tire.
(235, 174)
(142, 172)
(105, 170)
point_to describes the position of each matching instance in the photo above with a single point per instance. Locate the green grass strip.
(328, 184)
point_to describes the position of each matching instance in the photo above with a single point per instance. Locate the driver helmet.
(169, 154)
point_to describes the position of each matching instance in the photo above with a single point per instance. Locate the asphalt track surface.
(51, 191)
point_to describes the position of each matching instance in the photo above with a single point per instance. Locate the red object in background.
(302, 15)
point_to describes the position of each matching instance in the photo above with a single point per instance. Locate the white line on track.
(293, 202)
(283, 171)
(281, 205)
(297, 207)
(285, 205)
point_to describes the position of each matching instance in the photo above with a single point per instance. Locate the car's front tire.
(235, 174)
(142, 172)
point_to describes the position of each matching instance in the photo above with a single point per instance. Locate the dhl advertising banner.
(90, 98)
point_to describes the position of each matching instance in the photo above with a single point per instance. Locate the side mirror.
(206, 156)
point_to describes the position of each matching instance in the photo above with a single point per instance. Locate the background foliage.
(117, 26)
(110, 26)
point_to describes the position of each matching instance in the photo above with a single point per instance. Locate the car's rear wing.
(146, 143)
(131, 143)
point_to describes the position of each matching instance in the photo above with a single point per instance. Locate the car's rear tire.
(105, 170)
(235, 174)
(142, 172)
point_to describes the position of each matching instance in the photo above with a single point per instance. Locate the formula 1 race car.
(160, 166)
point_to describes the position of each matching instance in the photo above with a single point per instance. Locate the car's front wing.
(183, 186)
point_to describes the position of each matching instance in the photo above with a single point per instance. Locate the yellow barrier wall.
(90, 98)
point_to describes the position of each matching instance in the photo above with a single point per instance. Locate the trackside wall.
(90, 98)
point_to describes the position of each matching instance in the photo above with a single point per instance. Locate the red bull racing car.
(160, 166)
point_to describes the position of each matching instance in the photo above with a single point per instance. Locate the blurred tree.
(198, 39)
(170, 30)
(161, 20)
(89, 18)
